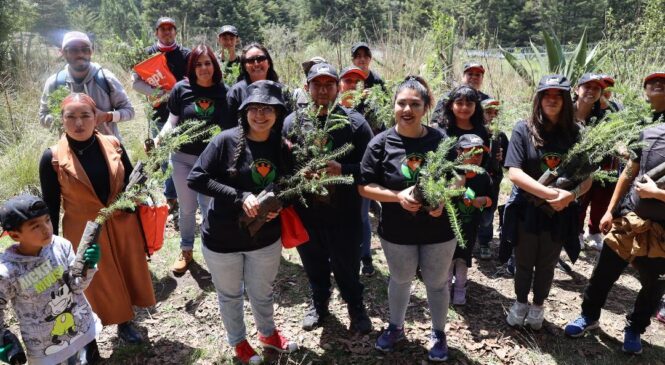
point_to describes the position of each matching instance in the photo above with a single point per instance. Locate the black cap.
(165, 20)
(353, 70)
(360, 45)
(591, 77)
(653, 75)
(264, 92)
(473, 65)
(20, 209)
(469, 140)
(228, 29)
(322, 69)
(559, 82)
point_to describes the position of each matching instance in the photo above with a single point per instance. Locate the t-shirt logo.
(411, 166)
(204, 107)
(550, 161)
(263, 172)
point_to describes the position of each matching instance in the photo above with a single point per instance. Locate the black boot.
(315, 315)
(128, 333)
(360, 322)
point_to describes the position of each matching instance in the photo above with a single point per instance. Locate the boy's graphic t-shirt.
(56, 320)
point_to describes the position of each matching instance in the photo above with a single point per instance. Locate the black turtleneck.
(91, 157)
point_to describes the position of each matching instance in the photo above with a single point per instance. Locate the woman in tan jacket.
(85, 172)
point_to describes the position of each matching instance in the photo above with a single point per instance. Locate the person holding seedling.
(473, 203)
(633, 226)
(411, 237)
(56, 321)
(227, 38)
(333, 221)
(87, 171)
(497, 151)
(201, 96)
(538, 146)
(235, 167)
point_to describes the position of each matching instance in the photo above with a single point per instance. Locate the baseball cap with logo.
(228, 29)
(71, 37)
(559, 82)
(165, 20)
(591, 77)
(469, 140)
(473, 66)
(18, 210)
(654, 75)
(322, 69)
(353, 70)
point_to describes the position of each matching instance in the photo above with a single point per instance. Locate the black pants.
(333, 249)
(608, 270)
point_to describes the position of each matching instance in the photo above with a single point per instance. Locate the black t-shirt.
(649, 156)
(207, 104)
(469, 216)
(374, 79)
(393, 161)
(342, 205)
(261, 164)
(176, 61)
(479, 130)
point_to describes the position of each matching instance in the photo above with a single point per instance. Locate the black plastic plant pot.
(90, 236)
(419, 195)
(268, 202)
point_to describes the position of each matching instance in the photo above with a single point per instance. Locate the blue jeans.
(188, 199)
(366, 238)
(253, 271)
(169, 188)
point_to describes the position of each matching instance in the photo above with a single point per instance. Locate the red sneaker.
(246, 354)
(278, 342)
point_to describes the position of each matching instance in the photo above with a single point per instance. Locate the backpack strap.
(102, 81)
(60, 80)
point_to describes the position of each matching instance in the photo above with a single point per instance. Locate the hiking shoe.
(129, 334)
(389, 337)
(631, 342)
(360, 322)
(438, 350)
(246, 354)
(182, 262)
(459, 296)
(367, 267)
(278, 342)
(517, 314)
(315, 315)
(564, 266)
(661, 314)
(595, 241)
(579, 326)
(535, 317)
(485, 253)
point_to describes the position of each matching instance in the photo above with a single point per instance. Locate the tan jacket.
(632, 236)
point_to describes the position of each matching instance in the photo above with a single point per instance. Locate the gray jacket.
(116, 101)
(56, 320)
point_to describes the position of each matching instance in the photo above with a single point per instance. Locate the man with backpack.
(83, 76)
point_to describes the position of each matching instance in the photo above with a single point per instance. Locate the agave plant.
(554, 60)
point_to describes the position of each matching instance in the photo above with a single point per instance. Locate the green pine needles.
(55, 110)
(439, 182)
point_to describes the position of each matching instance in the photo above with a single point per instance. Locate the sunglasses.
(75, 50)
(257, 59)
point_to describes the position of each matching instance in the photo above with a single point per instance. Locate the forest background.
(432, 38)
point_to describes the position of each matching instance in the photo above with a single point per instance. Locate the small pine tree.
(55, 99)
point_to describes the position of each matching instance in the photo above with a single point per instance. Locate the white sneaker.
(581, 238)
(517, 313)
(595, 241)
(535, 317)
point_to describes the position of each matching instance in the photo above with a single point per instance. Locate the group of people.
(60, 313)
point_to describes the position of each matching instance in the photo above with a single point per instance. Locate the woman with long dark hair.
(235, 167)
(539, 144)
(410, 236)
(201, 96)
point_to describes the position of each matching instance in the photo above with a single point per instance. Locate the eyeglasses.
(75, 50)
(257, 59)
(265, 110)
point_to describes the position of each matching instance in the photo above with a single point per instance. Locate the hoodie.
(55, 319)
(116, 101)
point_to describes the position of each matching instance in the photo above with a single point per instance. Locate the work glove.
(92, 255)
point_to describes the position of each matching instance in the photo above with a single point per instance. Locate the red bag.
(155, 72)
(293, 231)
(153, 222)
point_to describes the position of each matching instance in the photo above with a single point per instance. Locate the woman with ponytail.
(235, 167)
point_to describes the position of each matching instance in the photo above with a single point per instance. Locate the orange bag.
(153, 221)
(155, 72)
(293, 231)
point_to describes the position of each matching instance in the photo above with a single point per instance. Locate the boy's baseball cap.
(228, 29)
(20, 209)
(165, 20)
(469, 140)
(322, 69)
(653, 75)
(490, 104)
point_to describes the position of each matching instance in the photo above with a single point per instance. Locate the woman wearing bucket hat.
(237, 165)
(201, 96)
(538, 144)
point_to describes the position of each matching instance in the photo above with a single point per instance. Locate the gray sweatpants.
(434, 261)
(536, 256)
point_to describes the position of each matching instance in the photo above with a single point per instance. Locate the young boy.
(55, 319)
(470, 207)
